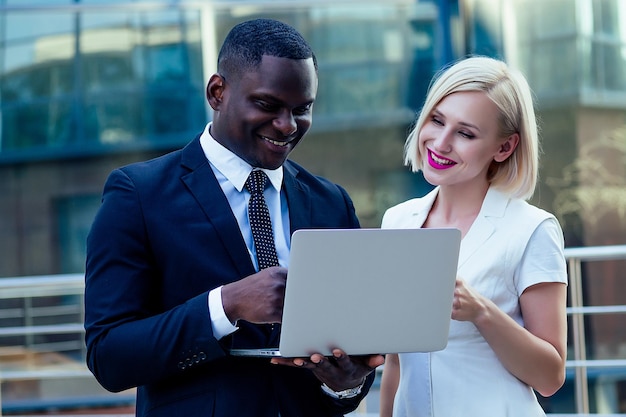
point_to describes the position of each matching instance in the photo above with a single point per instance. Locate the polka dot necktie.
(260, 221)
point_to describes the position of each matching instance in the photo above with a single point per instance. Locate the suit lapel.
(422, 208)
(484, 226)
(298, 199)
(205, 188)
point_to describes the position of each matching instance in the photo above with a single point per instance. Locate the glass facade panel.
(422, 43)
(37, 124)
(550, 18)
(74, 214)
(141, 87)
(363, 55)
(106, 2)
(603, 53)
(485, 29)
(31, 27)
(36, 80)
(556, 72)
(130, 77)
(136, 77)
(35, 2)
(363, 65)
(112, 118)
(606, 16)
(547, 48)
(607, 69)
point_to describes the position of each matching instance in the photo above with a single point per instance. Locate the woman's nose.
(443, 142)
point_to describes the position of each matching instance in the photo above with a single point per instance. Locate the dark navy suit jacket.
(162, 239)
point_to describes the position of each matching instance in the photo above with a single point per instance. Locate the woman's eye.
(436, 121)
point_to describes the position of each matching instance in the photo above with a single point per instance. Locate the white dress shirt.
(232, 172)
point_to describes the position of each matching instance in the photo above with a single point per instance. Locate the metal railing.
(577, 310)
(29, 288)
(41, 326)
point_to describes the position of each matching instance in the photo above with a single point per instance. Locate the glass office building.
(86, 85)
(90, 85)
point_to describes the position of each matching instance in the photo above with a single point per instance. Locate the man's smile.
(276, 142)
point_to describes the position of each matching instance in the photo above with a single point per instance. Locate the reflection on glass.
(35, 124)
(31, 40)
(75, 214)
(127, 78)
(133, 75)
(36, 2)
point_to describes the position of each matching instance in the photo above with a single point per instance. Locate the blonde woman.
(476, 141)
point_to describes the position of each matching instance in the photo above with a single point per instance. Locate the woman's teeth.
(440, 161)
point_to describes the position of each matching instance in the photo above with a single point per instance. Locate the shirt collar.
(235, 169)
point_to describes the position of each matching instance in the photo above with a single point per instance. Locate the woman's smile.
(439, 162)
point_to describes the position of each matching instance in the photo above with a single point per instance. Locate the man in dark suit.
(172, 279)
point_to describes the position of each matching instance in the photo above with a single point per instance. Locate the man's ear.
(215, 91)
(507, 147)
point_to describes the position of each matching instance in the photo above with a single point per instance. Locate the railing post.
(578, 333)
(28, 320)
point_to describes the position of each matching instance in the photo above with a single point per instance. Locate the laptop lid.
(368, 291)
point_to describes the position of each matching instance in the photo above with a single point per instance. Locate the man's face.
(262, 114)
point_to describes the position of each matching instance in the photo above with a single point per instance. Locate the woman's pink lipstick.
(441, 162)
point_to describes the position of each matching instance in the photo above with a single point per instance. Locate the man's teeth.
(275, 142)
(440, 161)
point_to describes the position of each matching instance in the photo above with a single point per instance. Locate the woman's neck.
(457, 206)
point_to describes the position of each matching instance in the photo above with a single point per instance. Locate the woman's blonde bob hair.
(509, 90)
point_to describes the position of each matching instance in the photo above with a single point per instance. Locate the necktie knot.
(256, 182)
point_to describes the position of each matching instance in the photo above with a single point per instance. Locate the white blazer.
(510, 246)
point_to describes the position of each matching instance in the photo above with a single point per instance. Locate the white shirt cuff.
(219, 322)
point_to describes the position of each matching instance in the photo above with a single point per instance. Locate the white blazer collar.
(422, 207)
(493, 208)
(494, 205)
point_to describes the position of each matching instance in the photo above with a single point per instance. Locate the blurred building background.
(89, 85)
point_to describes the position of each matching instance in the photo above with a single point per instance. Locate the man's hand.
(340, 371)
(258, 298)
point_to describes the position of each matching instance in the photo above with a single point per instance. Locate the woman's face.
(460, 139)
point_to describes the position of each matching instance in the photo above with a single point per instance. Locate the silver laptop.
(367, 291)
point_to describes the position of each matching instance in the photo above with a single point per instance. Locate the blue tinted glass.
(75, 215)
(36, 80)
(36, 38)
(130, 76)
(36, 2)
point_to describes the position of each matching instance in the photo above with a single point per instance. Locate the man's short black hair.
(247, 42)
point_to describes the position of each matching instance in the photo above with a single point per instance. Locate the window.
(82, 82)
(74, 215)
